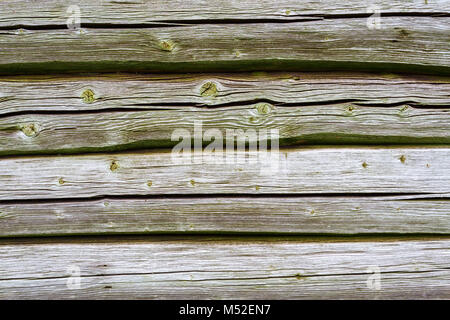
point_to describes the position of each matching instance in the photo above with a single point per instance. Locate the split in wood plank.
(221, 269)
(34, 94)
(417, 44)
(320, 125)
(221, 215)
(290, 171)
(110, 113)
(19, 13)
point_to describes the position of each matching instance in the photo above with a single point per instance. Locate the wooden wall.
(90, 192)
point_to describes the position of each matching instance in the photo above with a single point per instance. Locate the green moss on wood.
(236, 65)
(320, 139)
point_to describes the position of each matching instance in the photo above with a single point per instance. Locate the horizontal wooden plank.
(306, 215)
(226, 269)
(54, 12)
(302, 171)
(319, 124)
(405, 44)
(304, 107)
(56, 94)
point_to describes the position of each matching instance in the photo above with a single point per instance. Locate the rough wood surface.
(416, 44)
(148, 92)
(175, 12)
(143, 111)
(276, 214)
(361, 193)
(302, 171)
(327, 124)
(257, 269)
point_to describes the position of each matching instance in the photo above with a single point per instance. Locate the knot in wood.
(208, 89)
(88, 96)
(29, 129)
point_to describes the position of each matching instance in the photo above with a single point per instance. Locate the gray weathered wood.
(320, 124)
(305, 108)
(303, 171)
(310, 191)
(54, 12)
(404, 44)
(221, 269)
(276, 214)
(56, 93)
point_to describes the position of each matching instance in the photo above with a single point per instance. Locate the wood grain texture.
(405, 44)
(282, 213)
(174, 12)
(302, 171)
(259, 269)
(143, 111)
(327, 124)
(276, 214)
(149, 92)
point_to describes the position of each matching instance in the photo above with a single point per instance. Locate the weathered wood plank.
(404, 44)
(290, 103)
(216, 36)
(227, 269)
(326, 124)
(55, 93)
(54, 12)
(303, 171)
(276, 214)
